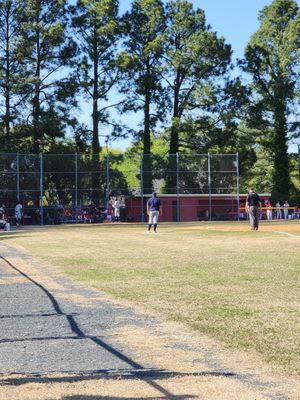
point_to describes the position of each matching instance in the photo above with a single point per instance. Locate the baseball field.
(239, 286)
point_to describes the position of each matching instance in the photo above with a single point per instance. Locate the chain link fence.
(56, 188)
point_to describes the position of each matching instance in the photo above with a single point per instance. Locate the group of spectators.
(61, 214)
(18, 213)
(91, 213)
(254, 209)
(277, 211)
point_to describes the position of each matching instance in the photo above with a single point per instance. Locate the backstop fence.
(56, 188)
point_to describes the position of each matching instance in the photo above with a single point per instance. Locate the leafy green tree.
(212, 126)
(272, 60)
(142, 63)
(131, 163)
(11, 69)
(195, 58)
(47, 51)
(260, 174)
(116, 183)
(97, 31)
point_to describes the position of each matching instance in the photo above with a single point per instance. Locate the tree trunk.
(95, 140)
(95, 114)
(147, 164)
(171, 178)
(281, 177)
(7, 81)
(147, 167)
(174, 139)
(36, 107)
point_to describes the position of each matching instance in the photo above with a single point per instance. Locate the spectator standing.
(18, 213)
(108, 216)
(286, 209)
(116, 207)
(253, 204)
(269, 210)
(2, 212)
(242, 211)
(2, 217)
(38, 215)
(297, 212)
(278, 210)
(60, 213)
(153, 210)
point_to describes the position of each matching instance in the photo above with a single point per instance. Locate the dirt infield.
(62, 341)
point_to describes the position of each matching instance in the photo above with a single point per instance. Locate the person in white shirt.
(18, 213)
(2, 212)
(286, 209)
(116, 207)
(2, 217)
(278, 211)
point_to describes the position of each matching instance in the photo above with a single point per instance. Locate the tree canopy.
(272, 59)
(162, 63)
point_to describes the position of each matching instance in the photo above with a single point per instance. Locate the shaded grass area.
(238, 286)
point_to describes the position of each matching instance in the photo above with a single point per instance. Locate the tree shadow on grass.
(135, 370)
(180, 397)
(11, 235)
(134, 367)
(123, 374)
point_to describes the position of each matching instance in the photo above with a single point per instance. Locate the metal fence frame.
(107, 180)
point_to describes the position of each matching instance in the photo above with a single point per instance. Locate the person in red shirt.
(269, 210)
(242, 210)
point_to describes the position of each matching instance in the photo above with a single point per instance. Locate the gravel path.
(42, 332)
(51, 325)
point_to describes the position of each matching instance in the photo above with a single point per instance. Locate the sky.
(235, 20)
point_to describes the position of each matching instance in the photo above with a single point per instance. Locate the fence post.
(209, 183)
(41, 189)
(107, 180)
(238, 186)
(76, 186)
(178, 188)
(18, 176)
(142, 188)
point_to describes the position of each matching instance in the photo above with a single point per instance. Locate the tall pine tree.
(194, 59)
(97, 30)
(47, 50)
(194, 55)
(272, 59)
(142, 63)
(11, 67)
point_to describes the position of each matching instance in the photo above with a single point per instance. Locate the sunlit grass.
(238, 286)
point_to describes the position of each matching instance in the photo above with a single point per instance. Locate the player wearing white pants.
(116, 207)
(153, 210)
(286, 210)
(153, 217)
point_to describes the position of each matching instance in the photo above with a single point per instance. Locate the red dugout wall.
(191, 207)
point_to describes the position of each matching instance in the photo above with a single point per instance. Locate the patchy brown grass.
(234, 285)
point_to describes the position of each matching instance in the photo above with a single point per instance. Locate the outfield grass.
(238, 286)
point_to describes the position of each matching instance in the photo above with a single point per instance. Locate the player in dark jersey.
(253, 204)
(153, 210)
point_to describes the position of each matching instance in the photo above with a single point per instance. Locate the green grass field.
(236, 285)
